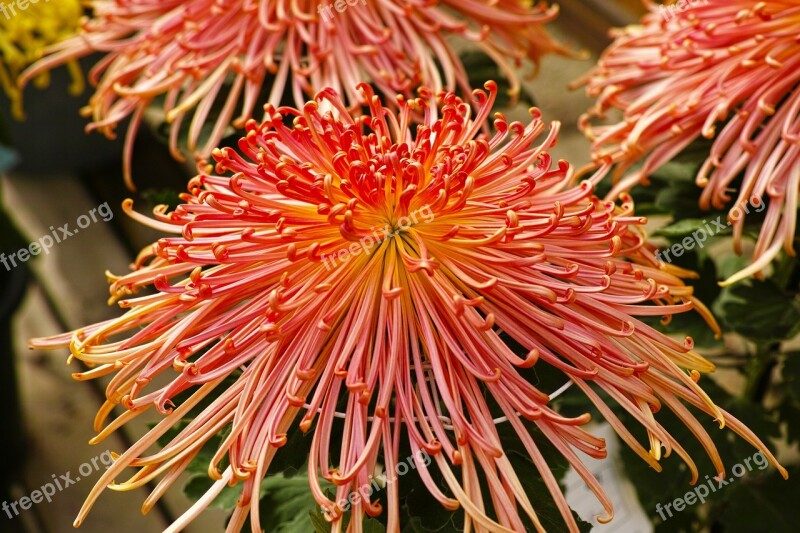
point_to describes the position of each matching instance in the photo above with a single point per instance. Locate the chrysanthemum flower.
(240, 53)
(355, 263)
(25, 33)
(685, 72)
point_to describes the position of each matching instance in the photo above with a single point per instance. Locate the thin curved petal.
(347, 263)
(719, 69)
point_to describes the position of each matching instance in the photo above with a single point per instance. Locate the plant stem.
(759, 372)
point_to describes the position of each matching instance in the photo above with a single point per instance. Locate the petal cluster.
(25, 33)
(215, 58)
(717, 69)
(361, 279)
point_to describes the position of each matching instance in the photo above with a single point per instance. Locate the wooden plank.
(72, 273)
(58, 414)
(73, 282)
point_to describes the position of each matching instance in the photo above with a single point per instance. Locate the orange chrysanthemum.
(197, 52)
(357, 263)
(685, 71)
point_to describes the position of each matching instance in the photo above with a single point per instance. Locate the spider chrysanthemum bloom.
(359, 264)
(25, 33)
(720, 69)
(241, 53)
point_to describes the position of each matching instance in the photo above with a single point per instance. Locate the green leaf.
(480, 68)
(672, 189)
(166, 197)
(760, 503)
(420, 514)
(371, 525)
(760, 311)
(535, 488)
(730, 265)
(199, 485)
(288, 504)
(654, 488)
(682, 169)
(789, 413)
(791, 374)
(789, 407)
(288, 460)
(706, 290)
(680, 199)
(318, 517)
(320, 525)
(685, 227)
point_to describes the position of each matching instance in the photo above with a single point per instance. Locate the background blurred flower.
(208, 57)
(25, 33)
(677, 78)
(413, 338)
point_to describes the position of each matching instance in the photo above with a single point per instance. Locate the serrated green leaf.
(371, 525)
(429, 524)
(685, 227)
(760, 311)
(730, 264)
(680, 199)
(288, 460)
(421, 514)
(681, 169)
(760, 503)
(320, 525)
(199, 485)
(543, 503)
(288, 504)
